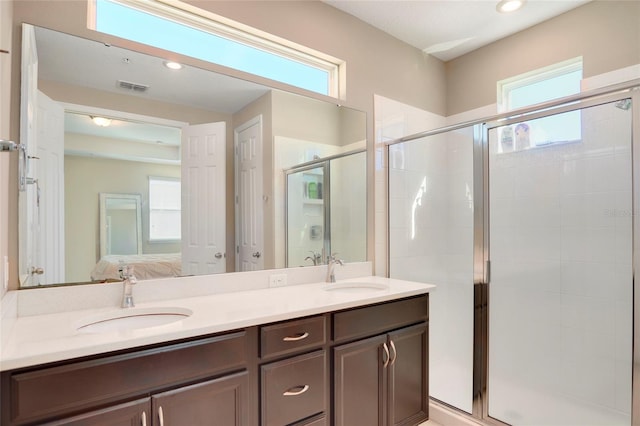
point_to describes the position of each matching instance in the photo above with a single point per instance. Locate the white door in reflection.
(249, 196)
(203, 199)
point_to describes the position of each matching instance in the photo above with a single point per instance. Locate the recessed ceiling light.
(101, 121)
(506, 6)
(172, 65)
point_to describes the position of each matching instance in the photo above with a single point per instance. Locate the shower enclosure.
(326, 210)
(525, 222)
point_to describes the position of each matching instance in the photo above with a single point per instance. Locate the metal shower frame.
(481, 262)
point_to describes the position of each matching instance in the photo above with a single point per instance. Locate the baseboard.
(445, 416)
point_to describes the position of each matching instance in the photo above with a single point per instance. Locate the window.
(536, 87)
(170, 28)
(164, 209)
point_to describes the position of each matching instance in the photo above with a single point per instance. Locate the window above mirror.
(173, 29)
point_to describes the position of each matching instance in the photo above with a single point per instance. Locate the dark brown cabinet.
(408, 390)
(360, 366)
(294, 390)
(99, 390)
(127, 414)
(382, 380)
(219, 402)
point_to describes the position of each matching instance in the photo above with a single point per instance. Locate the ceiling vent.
(134, 87)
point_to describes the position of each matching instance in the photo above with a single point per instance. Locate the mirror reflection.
(326, 202)
(202, 155)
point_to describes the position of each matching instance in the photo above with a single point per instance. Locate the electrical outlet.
(277, 280)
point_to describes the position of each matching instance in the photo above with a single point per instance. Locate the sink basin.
(356, 287)
(131, 319)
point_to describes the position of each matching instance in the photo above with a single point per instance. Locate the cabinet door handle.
(387, 356)
(144, 418)
(299, 336)
(160, 416)
(395, 353)
(296, 390)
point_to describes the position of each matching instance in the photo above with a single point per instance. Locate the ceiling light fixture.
(507, 6)
(172, 65)
(101, 121)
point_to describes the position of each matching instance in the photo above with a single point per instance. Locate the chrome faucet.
(128, 280)
(331, 263)
(316, 258)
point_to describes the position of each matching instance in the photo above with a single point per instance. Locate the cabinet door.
(127, 414)
(408, 375)
(360, 381)
(219, 402)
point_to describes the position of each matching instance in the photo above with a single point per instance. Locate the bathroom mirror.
(151, 111)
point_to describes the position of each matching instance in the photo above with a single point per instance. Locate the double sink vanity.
(230, 350)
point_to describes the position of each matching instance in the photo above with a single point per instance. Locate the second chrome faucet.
(331, 263)
(128, 281)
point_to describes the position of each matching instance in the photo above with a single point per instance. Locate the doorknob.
(36, 271)
(256, 255)
(218, 255)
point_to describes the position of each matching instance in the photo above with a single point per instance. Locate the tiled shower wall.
(561, 288)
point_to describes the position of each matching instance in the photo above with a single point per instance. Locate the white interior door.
(203, 199)
(249, 196)
(47, 182)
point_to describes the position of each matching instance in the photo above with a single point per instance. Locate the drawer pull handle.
(297, 337)
(297, 390)
(387, 356)
(395, 353)
(160, 416)
(144, 418)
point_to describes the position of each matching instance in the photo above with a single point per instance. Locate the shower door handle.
(487, 271)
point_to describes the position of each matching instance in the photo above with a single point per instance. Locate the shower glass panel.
(560, 246)
(349, 207)
(431, 240)
(305, 228)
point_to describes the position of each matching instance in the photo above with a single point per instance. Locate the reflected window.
(537, 87)
(164, 209)
(186, 33)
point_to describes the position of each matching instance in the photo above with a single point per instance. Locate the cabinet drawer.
(292, 336)
(293, 389)
(127, 414)
(78, 386)
(371, 320)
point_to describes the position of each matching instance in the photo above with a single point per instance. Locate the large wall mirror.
(202, 155)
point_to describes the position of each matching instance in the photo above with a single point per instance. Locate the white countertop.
(38, 339)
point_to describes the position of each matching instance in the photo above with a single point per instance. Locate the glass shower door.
(306, 216)
(431, 240)
(560, 246)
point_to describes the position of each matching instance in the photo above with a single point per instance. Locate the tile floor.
(429, 423)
